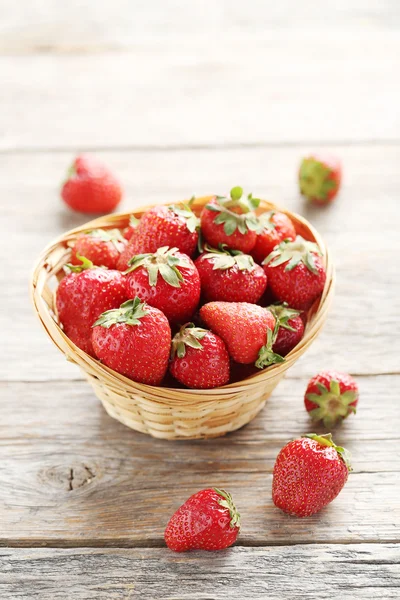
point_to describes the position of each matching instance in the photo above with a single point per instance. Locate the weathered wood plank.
(26, 26)
(168, 93)
(70, 475)
(322, 571)
(359, 228)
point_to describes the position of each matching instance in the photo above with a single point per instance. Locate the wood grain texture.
(323, 572)
(169, 94)
(72, 476)
(359, 228)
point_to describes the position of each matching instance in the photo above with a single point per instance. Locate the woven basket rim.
(93, 367)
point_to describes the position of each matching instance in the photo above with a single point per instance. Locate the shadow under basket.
(164, 412)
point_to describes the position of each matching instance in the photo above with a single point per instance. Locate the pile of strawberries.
(193, 296)
(174, 298)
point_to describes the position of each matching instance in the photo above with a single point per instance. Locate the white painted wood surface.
(182, 98)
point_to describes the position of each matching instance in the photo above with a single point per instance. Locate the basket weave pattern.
(159, 411)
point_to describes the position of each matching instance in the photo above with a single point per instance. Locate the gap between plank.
(197, 147)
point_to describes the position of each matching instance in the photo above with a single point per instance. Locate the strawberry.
(330, 397)
(134, 340)
(207, 521)
(175, 226)
(291, 328)
(308, 474)
(199, 358)
(276, 227)
(295, 273)
(230, 275)
(101, 247)
(320, 178)
(131, 229)
(248, 331)
(83, 295)
(91, 187)
(231, 221)
(167, 280)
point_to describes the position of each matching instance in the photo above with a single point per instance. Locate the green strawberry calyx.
(110, 235)
(232, 221)
(86, 264)
(326, 440)
(163, 262)
(266, 356)
(130, 313)
(283, 314)
(224, 258)
(133, 221)
(227, 502)
(266, 221)
(332, 405)
(315, 179)
(294, 253)
(188, 335)
(184, 210)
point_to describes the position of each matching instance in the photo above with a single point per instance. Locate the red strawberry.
(320, 178)
(102, 247)
(199, 358)
(83, 295)
(207, 521)
(91, 187)
(309, 473)
(291, 328)
(134, 340)
(295, 273)
(230, 275)
(175, 226)
(330, 397)
(131, 229)
(276, 227)
(231, 221)
(247, 330)
(167, 280)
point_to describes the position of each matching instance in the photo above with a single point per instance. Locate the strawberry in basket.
(167, 280)
(199, 358)
(231, 221)
(276, 227)
(102, 247)
(295, 272)
(248, 331)
(175, 226)
(230, 275)
(83, 296)
(291, 328)
(135, 340)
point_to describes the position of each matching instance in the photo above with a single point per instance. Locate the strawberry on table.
(320, 178)
(276, 227)
(230, 275)
(199, 358)
(231, 221)
(83, 295)
(330, 397)
(208, 520)
(248, 331)
(291, 328)
(134, 340)
(91, 187)
(295, 272)
(167, 280)
(102, 247)
(308, 474)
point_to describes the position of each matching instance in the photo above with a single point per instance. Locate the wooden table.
(183, 98)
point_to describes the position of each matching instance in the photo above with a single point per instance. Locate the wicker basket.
(159, 411)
